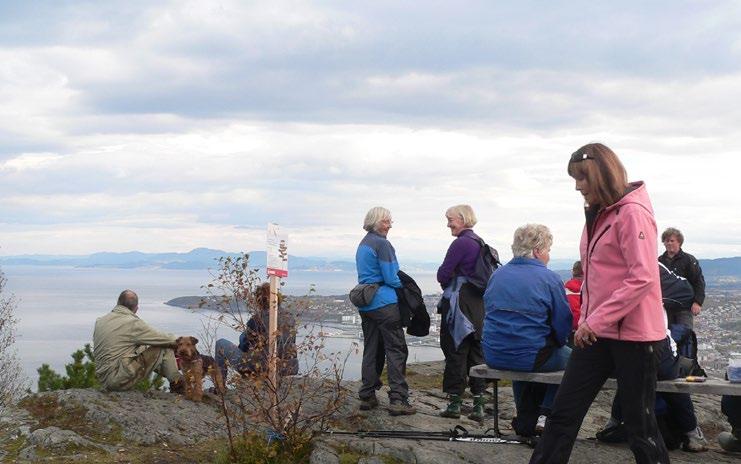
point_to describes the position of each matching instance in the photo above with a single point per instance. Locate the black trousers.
(679, 405)
(635, 366)
(459, 362)
(731, 407)
(383, 336)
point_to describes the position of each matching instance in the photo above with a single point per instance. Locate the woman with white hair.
(460, 264)
(528, 319)
(381, 321)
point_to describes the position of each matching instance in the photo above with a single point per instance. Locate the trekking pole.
(457, 434)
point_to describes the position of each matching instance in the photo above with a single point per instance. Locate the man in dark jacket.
(684, 265)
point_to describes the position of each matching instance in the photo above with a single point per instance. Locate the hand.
(584, 336)
(696, 308)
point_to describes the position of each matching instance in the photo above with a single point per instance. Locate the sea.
(56, 308)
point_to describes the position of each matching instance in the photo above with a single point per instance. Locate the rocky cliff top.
(156, 427)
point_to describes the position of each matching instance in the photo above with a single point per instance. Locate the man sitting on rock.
(127, 349)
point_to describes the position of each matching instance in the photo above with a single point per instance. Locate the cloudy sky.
(165, 126)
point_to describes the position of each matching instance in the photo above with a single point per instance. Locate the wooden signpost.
(277, 255)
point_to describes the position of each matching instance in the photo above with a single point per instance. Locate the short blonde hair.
(531, 237)
(465, 212)
(374, 216)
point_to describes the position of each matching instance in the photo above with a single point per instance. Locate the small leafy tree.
(12, 381)
(81, 374)
(289, 407)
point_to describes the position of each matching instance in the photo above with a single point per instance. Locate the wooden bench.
(710, 386)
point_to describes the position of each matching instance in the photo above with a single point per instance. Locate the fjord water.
(57, 307)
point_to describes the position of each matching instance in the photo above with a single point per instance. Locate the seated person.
(731, 407)
(679, 412)
(573, 295)
(528, 319)
(251, 355)
(127, 349)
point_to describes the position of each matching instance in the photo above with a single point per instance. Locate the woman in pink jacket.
(621, 318)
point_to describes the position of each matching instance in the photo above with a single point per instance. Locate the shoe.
(729, 442)
(540, 425)
(695, 441)
(479, 402)
(401, 408)
(366, 404)
(453, 411)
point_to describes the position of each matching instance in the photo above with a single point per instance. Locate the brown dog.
(193, 366)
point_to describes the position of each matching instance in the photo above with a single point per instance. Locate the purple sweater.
(460, 258)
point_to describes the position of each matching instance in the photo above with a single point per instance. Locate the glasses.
(579, 157)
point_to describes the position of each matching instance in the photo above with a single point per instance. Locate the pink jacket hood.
(621, 293)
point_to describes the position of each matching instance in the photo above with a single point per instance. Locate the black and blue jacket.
(376, 264)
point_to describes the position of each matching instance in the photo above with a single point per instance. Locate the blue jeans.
(228, 353)
(556, 362)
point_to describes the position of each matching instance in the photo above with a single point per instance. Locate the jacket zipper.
(589, 261)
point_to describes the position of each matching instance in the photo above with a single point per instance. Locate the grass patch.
(349, 455)
(421, 381)
(48, 412)
(13, 447)
(254, 448)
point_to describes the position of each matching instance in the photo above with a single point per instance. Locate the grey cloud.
(317, 72)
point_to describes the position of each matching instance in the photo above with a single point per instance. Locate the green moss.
(350, 455)
(47, 411)
(13, 447)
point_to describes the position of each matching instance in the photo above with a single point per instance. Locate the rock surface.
(75, 425)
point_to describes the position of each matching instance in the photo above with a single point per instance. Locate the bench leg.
(495, 400)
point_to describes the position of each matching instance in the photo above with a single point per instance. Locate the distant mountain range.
(205, 258)
(200, 258)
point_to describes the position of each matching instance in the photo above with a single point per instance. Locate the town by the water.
(717, 327)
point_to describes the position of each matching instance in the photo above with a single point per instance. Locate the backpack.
(686, 341)
(486, 263)
(676, 292)
(414, 315)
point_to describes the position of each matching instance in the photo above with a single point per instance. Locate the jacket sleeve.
(695, 277)
(389, 266)
(561, 317)
(143, 334)
(453, 257)
(636, 235)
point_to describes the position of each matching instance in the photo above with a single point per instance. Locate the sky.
(165, 126)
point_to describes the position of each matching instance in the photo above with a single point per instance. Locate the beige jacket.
(118, 338)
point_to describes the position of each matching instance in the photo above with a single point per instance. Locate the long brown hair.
(603, 171)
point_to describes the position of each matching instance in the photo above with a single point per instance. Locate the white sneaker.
(540, 425)
(695, 441)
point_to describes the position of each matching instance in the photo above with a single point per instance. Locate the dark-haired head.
(576, 270)
(602, 170)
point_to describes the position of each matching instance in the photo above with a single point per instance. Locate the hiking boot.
(366, 404)
(401, 408)
(453, 411)
(540, 425)
(479, 402)
(729, 442)
(695, 441)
